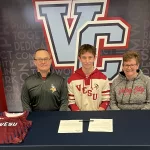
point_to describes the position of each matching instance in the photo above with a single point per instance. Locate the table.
(131, 131)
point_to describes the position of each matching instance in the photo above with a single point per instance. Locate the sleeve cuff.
(74, 107)
(104, 104)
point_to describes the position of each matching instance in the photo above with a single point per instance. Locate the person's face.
(42, 61)
(130, 67)
(87, 59)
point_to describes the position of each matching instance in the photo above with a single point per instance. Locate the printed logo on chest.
(137, 89)
(53, 88)
(88, 92)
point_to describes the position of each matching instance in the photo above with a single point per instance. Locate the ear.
(79, 58)
(50, 60)
(34, 63)
(138, 66)
(95, 57)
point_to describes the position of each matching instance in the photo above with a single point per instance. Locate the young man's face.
(42, 61)
(87, 60)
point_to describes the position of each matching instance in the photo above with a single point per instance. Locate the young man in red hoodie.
(88, 88)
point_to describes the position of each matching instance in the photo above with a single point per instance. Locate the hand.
(101, 109)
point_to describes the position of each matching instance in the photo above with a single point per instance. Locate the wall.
(61, 27)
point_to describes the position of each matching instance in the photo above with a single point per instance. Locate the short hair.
(40, 49)
(86, 48)
(130, 55)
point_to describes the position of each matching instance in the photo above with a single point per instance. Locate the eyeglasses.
(40, 60)
(131, 66)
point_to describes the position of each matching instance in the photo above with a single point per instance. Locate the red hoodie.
(88, 93)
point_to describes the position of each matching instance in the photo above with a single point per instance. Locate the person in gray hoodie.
(131, 89)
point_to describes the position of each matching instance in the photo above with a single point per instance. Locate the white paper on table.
(100, 125)
(70, 126)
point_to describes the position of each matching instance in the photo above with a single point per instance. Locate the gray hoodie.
(130, 94)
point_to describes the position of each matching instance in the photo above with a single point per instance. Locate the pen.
(86, 120)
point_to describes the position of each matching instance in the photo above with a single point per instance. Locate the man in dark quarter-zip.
(44, 90)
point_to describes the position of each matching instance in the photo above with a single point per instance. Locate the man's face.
(87, 59)
(42, 61)
(130, 68)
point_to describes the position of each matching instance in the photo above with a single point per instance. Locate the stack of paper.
(70, 126)
(100, 125)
